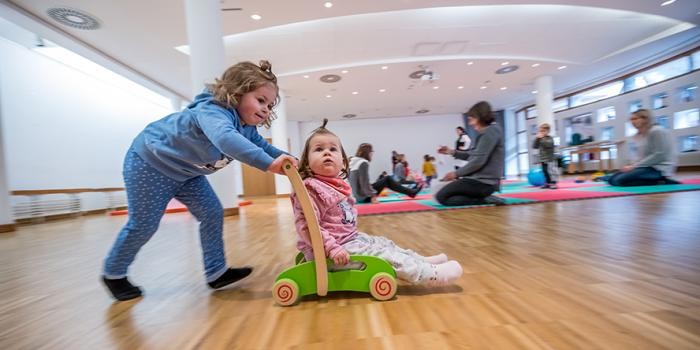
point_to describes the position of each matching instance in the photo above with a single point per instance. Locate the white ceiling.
(594, 39)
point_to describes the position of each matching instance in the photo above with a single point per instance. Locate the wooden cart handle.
(312, 224)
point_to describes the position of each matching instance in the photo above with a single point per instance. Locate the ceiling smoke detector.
(422, 111)
(507, 69)
(349, 116)
(73, 18)
(330, 78)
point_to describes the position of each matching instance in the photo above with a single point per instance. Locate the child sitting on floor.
(323, 166)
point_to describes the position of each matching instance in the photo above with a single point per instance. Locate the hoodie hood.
(355, 162)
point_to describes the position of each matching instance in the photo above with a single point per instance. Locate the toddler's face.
(255, 106)
(325, 156)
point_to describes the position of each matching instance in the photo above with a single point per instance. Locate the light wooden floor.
(616, 273)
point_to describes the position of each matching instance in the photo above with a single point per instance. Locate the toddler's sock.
(436, 259)
(121, 288)
(445, 273)
(231, 275)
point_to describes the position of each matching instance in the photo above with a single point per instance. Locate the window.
(629, 129)
(533, 129)
(635, 106)
(605, 114)
(663, 121)
(659, 73)
(686, 119)
(687, 93)
(524, 163)
(688, 143)
(659, 101)
(607, 133)
(696, 60)
(581, 129)
(597, 94)
(522, 141)
(521, 121)
(532, 112)
(560, 104)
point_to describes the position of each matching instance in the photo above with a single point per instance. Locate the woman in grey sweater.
(358, 176)
(474, 182)
(657, 156)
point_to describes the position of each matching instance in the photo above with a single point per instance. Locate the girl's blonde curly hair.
(242, 78)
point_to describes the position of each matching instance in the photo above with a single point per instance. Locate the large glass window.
(658, 73)
(520, 116)
(686, 119)
(630, 130)
(687, 93)
(605, 114)
(524, 163)
(607, 133)
(597, 94)
(635, 106)
(663, 121)
(560, 104)
(696, 59)
(532, 112)
(659, 101)
(688, 143)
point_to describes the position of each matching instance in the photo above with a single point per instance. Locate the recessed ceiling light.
(256, 17)
(483, 87)
(329, 96)
(306, 77)
(328, 4)
(507, 69)
(385, 67)
(535, 65)
(344, 71)
(561, 67)
(435, 87)
(667, 2)
(355, 92)
(534, 91)
(505, 63)
(382, 90)
(470, 63)
(503, 88)
(330, 78)
(460, 87)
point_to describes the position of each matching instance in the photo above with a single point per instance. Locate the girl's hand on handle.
(276, 166)
(342, 258)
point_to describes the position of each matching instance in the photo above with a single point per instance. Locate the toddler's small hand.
(449, 176)
(342, 258)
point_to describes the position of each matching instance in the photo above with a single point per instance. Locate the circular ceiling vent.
(422, 111)
(349, 116)
(73, 18)
(330, 78)
(507, 69)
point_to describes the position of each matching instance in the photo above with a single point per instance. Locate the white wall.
(63, 128)
(413, 136)
(621, 104)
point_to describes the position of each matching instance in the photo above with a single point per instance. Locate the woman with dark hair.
(362, 190)
(474, 182)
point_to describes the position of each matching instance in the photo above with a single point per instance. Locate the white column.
(175, 104)
(207, 62)
(6, 219)
(544, 99)
(278, 130)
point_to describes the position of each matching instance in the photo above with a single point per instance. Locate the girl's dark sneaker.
(231, 275)
(122, 289)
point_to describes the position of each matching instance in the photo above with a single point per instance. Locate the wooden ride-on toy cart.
(363, 273)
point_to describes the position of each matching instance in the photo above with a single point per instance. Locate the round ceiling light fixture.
(507, 69)
(330, 78)
(73, 18)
